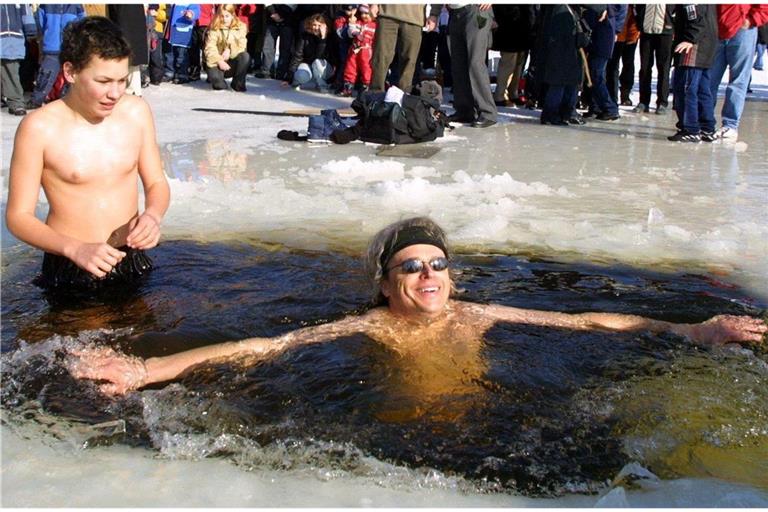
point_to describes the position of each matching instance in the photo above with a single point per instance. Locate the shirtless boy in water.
(86, 150)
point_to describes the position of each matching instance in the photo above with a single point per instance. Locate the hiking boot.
(577, 120)
(32, 105)
(641, 108)
(683, 136)
(661, 110)
(727, 134)
(708, 136)
(590, 113)
(17, 111)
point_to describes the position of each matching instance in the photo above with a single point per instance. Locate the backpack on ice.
(419, 119)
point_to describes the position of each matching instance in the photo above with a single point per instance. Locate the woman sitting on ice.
(312, 64)
(225, 55)
(415, 317)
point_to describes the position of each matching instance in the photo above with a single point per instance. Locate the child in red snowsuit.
(362, 30)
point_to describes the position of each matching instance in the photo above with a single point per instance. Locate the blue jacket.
(180, 27)
(51, 20)
(16, 23)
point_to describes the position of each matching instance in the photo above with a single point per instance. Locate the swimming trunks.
(60, 272)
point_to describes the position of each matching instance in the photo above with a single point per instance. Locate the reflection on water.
(536, 410)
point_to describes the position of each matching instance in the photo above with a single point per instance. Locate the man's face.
(99, 85)
(420, 294)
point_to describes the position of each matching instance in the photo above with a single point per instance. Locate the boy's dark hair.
(93, 35)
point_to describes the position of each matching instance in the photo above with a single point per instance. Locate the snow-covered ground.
(605, 192)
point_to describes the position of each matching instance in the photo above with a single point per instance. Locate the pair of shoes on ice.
(641, 108)
(683, 136)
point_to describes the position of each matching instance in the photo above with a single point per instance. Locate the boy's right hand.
(97, 258)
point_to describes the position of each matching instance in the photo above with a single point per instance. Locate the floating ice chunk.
(655, 216)
(678, 233)
(488, 229)
(421, 171)
(617, 498)
(740, 147)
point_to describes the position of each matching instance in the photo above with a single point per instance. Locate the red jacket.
(207, 12)
(245, 12)
(730, 17)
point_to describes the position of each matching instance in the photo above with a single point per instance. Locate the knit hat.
(363, 9)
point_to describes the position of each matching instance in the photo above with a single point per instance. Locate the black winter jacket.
(308, 47)
(515, 27)
(697, 24)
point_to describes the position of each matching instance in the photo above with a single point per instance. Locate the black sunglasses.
(415, 265)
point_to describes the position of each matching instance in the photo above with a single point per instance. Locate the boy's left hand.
(144, 232)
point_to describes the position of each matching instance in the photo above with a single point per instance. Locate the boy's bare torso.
(90, 171)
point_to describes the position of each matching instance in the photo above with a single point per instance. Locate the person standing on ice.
(737, 29)
(408, 266)
(87, 151)
(362, 31)
(469, 33)
(695, 46)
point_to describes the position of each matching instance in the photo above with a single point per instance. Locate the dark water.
(553, 411)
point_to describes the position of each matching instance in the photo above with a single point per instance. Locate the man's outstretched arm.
(121, 373)
(717, 330)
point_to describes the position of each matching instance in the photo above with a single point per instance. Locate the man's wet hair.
(93, 36)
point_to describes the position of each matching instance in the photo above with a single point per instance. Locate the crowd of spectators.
(560, 58)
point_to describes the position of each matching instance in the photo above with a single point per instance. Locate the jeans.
(693, 100)
(735, 53)
(318, 73)
(559, 103)
(601, 99)
(46, 77)
(177, 62)
(760, 50)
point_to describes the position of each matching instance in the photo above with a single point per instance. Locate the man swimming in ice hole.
(408, 264)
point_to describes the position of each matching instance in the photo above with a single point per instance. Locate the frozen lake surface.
(607, 195)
